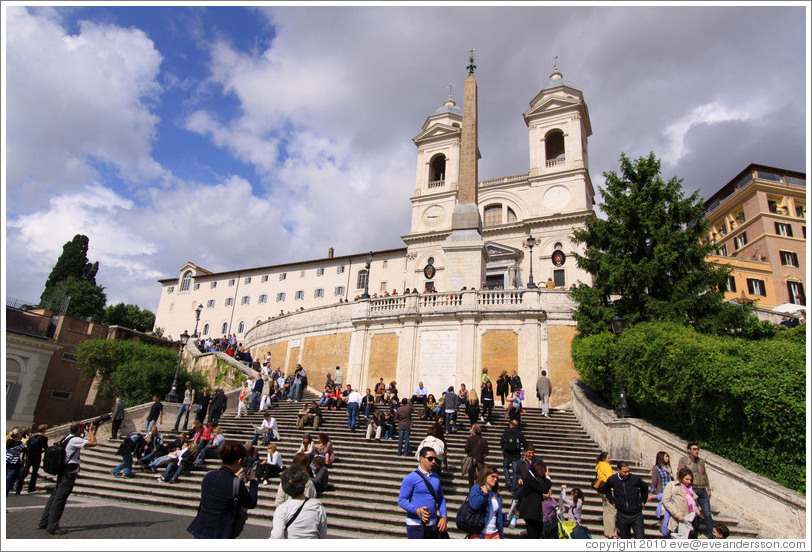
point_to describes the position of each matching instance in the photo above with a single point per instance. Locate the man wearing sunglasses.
(422, 497)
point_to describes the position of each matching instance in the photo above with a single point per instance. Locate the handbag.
(467, 465)
(470, 520)
(597, 484)
(240, 513)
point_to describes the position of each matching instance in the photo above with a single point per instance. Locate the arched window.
(554, 146)
(511, 216)
(225, 328)
(437, 168)
(493, 215)
(258, 322)
(186, 281)
(205, 329)
(241, 327)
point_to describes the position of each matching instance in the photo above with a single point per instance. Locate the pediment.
(554, 103)
(498, 251)
(196, 270)
(437, 131)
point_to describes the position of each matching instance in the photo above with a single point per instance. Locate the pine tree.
(75, 277)
(648, 258)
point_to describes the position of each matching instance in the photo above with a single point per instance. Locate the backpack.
(54, 460)
(14, 454)
(470, 520)
(510, 443)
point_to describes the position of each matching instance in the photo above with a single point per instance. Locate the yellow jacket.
(604, 471)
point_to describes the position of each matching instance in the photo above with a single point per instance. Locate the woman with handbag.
(299, 517)
(681, 502)
(476, 449)
(220, 514)
(604, 472)
(485, 494)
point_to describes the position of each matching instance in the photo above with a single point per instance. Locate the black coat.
(533, 491)
(219, 402)
(627, 495)
(213, 519)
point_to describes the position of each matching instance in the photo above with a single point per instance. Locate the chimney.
(330, 253)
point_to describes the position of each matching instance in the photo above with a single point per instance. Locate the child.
(572, 507)
(549, 516)
(720, 530)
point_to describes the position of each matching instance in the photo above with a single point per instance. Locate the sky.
(254, 135)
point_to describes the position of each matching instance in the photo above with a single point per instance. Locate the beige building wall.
(500, 352)
(383, 362)
(321, 354)
(561, 369)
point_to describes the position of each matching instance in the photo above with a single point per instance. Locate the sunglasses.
(431, 458)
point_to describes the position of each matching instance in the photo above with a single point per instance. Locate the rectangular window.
(723, 229)
(340, 269)
(756, 287)
(319, 293)
(248, 280)
(722, 251)
(385, 264)
(263, 298)
(383, 287)
(68, 357)
(231, 282)
(796, 293)
(363, 275)
(245, 300)
(196, 287)
(740, 240)
(170, 289)
(800, 210)
(264, 278)
(558, 278)
(282, 276)
(788, 258)
(280, 297)
(213, 285)
(783, 229)
(299, 295)
(229, 301)
(772, 206)
(61, 395)
(210, 303)
(740, 217)
(339, 290)
(319, 272)
(302, 274)
(731, 284)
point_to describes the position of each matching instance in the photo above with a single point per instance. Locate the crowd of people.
(683, 501)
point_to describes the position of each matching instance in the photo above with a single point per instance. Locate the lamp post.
(366, 282)
(197, 319)
(531, 242)
(172, 396)
(623, 410)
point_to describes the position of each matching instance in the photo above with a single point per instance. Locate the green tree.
(129, 316)
(75, 277)
(131, 370)
(648, 258)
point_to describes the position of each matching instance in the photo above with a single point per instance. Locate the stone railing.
(503, 180)
(436, 184)
(777, 512)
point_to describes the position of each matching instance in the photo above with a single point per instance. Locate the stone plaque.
(438, 360)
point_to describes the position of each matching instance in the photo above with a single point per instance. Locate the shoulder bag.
(240, 513)
(289, 522)
(443, 534)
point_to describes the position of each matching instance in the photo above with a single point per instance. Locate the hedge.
(744, 400)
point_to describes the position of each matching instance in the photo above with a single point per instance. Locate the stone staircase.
(366, 475)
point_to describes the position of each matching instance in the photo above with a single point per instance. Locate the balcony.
(555, 162)
(436, 184)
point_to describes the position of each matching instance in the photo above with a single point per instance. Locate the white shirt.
(490, 523)
(354, 397)
(310, 524)
(73, 450)
(271, 425)
(421, 391)
(275, 459)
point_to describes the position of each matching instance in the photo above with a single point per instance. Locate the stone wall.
(383, 363)
(561, 368)
(777, 512)
(320, 356)
(500, 352)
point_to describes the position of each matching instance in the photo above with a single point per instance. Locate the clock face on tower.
(433, 215)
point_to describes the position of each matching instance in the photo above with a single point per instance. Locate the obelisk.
(464, 248)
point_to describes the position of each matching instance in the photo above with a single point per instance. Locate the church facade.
(467, 262)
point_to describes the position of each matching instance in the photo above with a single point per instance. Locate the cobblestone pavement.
(91, 518)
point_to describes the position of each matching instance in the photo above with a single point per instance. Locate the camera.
(98, 421)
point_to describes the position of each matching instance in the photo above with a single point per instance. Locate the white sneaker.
(488, 424)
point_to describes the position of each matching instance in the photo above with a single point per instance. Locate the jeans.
(297, 392)
(627, 522)
(323, 401)
(56, 504)
(369, 408)
(703, 501)
(545, 405)
(205, 453)
(184, 408)
(403, 437)
(176, 470)
(450, 419)
(11, 475)
(150, 423)
(487, 410)
(255, 396)
(508, 463)
(352, 414)
(422, 532)
(126, 465)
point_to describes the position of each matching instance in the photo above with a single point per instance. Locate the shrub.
(742, 399)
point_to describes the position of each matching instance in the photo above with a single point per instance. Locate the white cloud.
(74, 102)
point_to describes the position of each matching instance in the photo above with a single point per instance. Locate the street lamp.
(366, 282)
(623, 410)
(197, 319)
(531, 242)
(173, 393)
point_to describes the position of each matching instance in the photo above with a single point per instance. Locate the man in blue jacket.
(422, 504)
